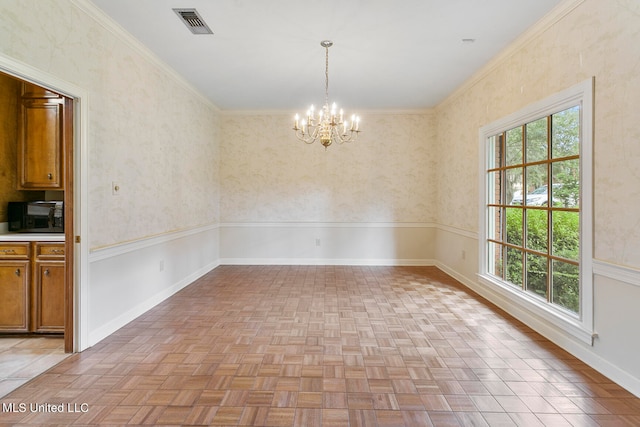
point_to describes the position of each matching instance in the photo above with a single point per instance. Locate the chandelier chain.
(326, 76)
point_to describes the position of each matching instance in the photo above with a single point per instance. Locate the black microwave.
(36, 217)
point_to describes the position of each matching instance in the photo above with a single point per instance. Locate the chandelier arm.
(305, 138)
(312, 134)
(345, 137)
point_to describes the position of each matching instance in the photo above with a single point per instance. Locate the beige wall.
(175, 157)
(387, 175)
(147, 130)
(598, 38)
(366, 202)
(593, 38)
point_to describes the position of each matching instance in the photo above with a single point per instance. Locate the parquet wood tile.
(323, 346)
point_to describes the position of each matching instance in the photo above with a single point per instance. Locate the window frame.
(580, 327)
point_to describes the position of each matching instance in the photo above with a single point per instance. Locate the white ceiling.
(387, 54)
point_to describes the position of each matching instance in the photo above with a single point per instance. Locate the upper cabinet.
(45, 125)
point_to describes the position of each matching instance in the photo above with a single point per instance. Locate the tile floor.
(323, 346)
(22, 359)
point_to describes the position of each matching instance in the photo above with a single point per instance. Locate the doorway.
(75, 171)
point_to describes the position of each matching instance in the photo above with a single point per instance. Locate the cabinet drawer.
(49, 251)
(14, 250)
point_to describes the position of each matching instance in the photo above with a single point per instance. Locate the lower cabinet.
(48, 297)
(32, 276)
(14, 296)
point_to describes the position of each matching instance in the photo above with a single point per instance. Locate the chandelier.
(328, 125)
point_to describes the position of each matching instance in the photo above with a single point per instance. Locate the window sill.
(529, 309)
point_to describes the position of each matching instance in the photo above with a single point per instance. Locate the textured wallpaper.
(387, 175)
(598, 39)
(148, 132)
(160, 141)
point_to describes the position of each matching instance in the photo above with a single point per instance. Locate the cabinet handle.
(18, 272)
(8, 251)
(50, 176)
(57, 251)
(46, 272)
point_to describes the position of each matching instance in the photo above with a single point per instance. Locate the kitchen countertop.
(32, 237)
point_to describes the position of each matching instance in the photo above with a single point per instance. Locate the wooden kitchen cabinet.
(14, 287)
(44, 128)
(32, 284)
(48, 288)
(48, 297)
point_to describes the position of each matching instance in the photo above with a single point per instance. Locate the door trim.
(77, 236)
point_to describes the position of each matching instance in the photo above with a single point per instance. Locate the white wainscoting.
(129, 279)
(617, 290)
(327, 243)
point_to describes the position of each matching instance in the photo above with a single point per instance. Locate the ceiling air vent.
(193, 21)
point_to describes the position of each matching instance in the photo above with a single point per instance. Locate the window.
(535, 209)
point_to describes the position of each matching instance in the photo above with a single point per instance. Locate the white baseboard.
(127, 280)
(558, 337)
(107, 329)
(304, 235)
(325, 261)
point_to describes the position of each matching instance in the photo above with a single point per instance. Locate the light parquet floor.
(323, 346)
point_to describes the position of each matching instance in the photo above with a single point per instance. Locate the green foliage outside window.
(565, 242)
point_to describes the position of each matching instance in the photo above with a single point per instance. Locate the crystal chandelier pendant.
(328, 125)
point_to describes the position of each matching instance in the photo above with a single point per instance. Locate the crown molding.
(291, 113)
(104, 20)
(540, 27)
